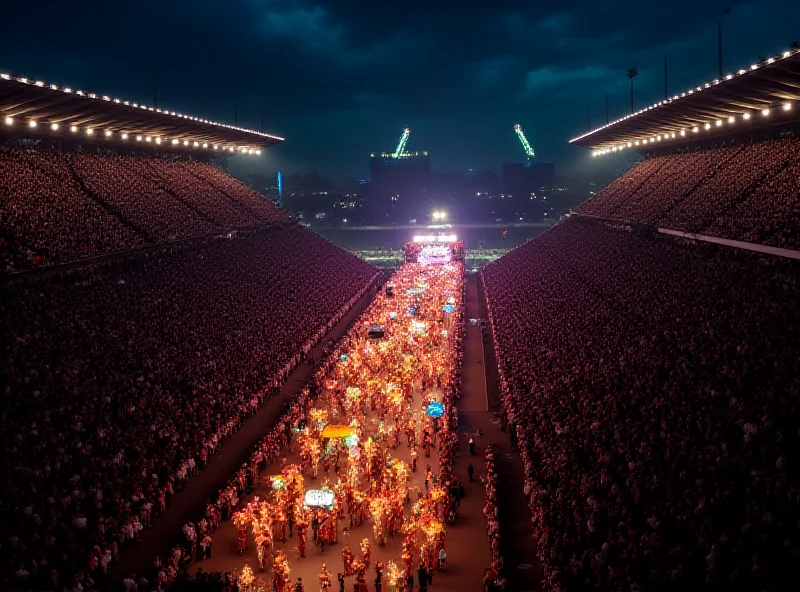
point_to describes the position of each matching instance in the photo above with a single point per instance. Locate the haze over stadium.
(223, 371)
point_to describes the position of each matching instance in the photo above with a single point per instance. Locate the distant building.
(409, 168)
(398, 184)
(526, 182)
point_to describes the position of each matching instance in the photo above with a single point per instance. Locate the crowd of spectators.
(770, 214)
(654, 387)
(234, 190)
(747, 192)
(121, 379)
(43, 210)
(621, 189)
(493, 580)
(57, 207)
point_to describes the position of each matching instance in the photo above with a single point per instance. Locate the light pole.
(719, 39)
(632, 73)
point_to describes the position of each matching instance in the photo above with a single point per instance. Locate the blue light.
(435, 409)
(448, 308)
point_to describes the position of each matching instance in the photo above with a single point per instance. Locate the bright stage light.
(54, 127)
(432, 238)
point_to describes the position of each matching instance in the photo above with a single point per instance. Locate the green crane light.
(524, 141)
(401, 145)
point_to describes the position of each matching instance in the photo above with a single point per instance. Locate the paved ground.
(189, 504)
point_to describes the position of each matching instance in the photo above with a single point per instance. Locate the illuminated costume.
(324, 579)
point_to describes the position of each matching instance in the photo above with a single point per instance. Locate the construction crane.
(401, 145)
(524, 141)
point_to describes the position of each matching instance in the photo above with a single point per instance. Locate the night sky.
(340, 78)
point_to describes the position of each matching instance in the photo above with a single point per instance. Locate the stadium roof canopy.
(765, 93)
(48, 108)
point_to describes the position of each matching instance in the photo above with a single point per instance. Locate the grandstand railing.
(766, 250)
(56, 268)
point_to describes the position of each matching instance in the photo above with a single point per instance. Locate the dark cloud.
(339, 78)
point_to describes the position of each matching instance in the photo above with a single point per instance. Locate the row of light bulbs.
(9, 121)
(696, 129)
(68, 90)
(691, 91)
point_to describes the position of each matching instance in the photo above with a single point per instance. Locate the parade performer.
(241, 540)
(281, 570)
(366, 551)
(302, 527)
(347, 561)
(261, 551)
(324, 579)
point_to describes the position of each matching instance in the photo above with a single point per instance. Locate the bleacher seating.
(742, 191)
(44, 211)
(61, 207)
(654, 389)
(121, 378)
(609, 199)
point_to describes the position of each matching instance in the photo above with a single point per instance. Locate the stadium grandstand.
(722, 161)
(648, 350)
(87, 175)
(151, 304)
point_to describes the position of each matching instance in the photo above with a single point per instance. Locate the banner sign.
(319, 498)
